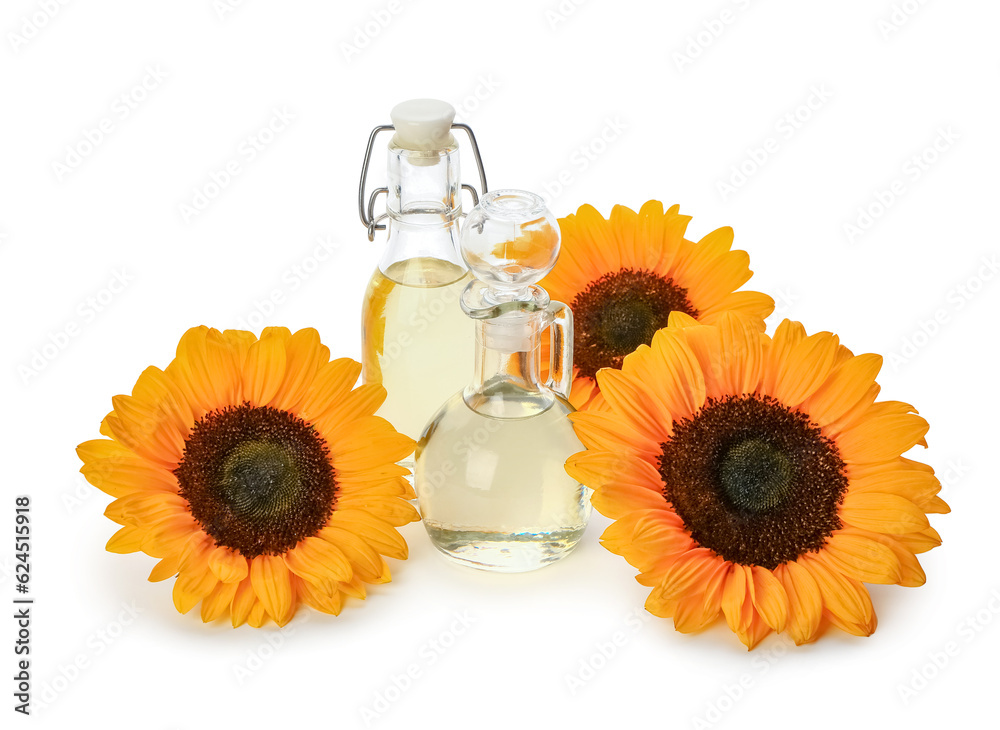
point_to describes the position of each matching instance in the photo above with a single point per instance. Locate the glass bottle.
(490, 474)
(415, 339)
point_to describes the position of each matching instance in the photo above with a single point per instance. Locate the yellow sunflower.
(623, 276)
(256, 474)
(757, 479)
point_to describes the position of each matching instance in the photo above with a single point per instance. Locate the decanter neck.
(507, 381)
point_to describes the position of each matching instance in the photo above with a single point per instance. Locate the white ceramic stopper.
(423, 124)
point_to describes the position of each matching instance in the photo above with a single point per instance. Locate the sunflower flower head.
(256, 473)
(757, 479)
(624, 275)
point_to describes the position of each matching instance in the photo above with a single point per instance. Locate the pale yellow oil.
(417, 341)
(494, 493)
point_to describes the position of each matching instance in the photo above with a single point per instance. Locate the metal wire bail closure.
(367, 210)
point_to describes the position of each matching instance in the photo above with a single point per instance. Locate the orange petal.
(806, 368)
(303, 356)
(881, 438)
(676, 378)
(776, 351)
(736, 603)
(617, 499)
(378, 533)
(689, 572)
(629, 399)
(845, 388)
(270, 579)
(191, 586)
(216, 603)
(333, 381)
(128, 539)
(243, 602)
(366, 563)
(360, 402)
(843, 597)
(318, 561)
(880, 512)
(264, 369)
(606, 431)
(325, 601)
(910, 572)
(395, 511)
(166, 568)
(853, 554)
(228, 565)
(769, 598)
(805, 602)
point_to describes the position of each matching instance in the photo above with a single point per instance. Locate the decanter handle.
(560, 321)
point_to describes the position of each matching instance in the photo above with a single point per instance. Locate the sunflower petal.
(264, 370)
(887, 513)
(318, 561)
(216, 603)
(324, 601)
(270, 579)
(769, 598)
(228, 565)
(805, 602)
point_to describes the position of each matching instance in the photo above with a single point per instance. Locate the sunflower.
(255, 474)
(623, 276)
(757, 479)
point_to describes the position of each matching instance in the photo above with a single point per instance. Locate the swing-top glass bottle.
(415, 339)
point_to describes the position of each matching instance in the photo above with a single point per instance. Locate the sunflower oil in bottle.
(490, 476)
(416, 341)
(411, 315)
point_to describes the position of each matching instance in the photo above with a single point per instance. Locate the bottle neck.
(424, 205)
(506, 381)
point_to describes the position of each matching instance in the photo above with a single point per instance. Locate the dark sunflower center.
(258, 480)
(620, 311)
(754, 481)
(755, 476)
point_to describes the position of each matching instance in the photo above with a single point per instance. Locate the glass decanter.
(489, 474)
(415, 339)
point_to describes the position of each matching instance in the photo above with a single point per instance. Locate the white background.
(540, 83)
